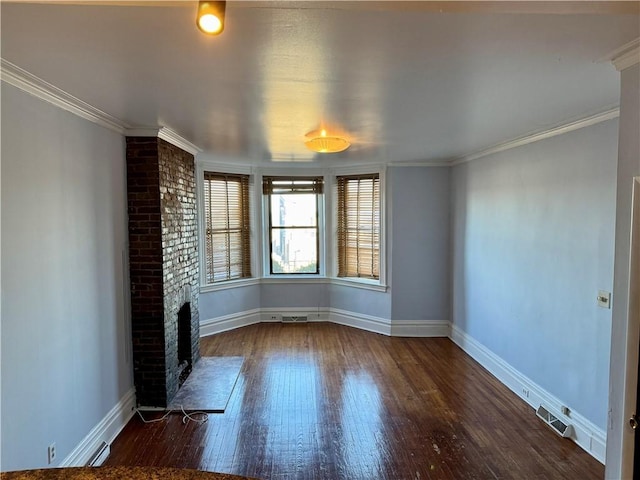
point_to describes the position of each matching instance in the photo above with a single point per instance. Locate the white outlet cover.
(51, 453)
(604, 299)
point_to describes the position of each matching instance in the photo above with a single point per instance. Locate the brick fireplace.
(163, 262)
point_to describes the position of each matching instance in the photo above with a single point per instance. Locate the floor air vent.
(100, 455)
(554, 422)
(294, 318)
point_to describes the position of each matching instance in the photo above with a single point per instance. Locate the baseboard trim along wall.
(420, 328)
(312, 314)
(370, 323)
(105, 431)
(363, 322)
(229, 322)
(587, 435)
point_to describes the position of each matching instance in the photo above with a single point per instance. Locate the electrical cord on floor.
(197, 417)
(189, 417)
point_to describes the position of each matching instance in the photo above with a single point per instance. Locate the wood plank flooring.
(324, 401)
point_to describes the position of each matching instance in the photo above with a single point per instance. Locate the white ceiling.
(404, 81)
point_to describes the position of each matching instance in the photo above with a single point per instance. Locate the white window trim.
(264, 227)
(297, 278)
(208, 166)
(381, 283)
(362, 283)
(228, 284)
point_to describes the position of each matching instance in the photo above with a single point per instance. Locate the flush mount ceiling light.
(321, 142)
(210, 18)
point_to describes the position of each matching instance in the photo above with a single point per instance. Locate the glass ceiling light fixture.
(321, 142)
(210, 18)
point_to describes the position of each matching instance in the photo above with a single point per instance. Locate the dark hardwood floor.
(323, 401)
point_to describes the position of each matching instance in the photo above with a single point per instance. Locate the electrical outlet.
(51, 452)
(604, 299)
(525, 392)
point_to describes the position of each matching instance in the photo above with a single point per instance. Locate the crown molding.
(626, 56)
(166, 134)
(418, 163)
(173, 138)
(29, 83)
(536, 137)
(142, 132)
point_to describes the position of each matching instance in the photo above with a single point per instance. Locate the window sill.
(299, 279)
(245, 282)
(363, 284)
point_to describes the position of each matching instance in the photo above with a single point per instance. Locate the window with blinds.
(358, 241)
(227, 227)
(293, 223)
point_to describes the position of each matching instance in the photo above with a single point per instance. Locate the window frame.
(320, 219)
(223, 169)
(364, 189)
(379, 284)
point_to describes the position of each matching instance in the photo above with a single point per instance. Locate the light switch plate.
(604, 299)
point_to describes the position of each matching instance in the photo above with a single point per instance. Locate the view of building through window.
(294, 233)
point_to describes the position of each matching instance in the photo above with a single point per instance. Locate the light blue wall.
(66, 359)
(286, 295)
(291, 295)
(294, 294)
(533, 237)
(357, 300)
(420, 222)
(227, 302)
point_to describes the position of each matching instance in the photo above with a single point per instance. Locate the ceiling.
(406, 82)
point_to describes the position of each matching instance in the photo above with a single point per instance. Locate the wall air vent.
(554, 422)
(294, 318)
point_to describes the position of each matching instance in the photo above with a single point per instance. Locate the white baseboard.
(312, 314)
(587, 435)
(420, 328)
(370, 323)
(229, 322)
(105, 431)
(361, 321)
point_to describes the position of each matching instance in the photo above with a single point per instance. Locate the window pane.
(294, 250)
(294, 210)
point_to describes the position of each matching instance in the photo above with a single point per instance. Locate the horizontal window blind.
(227, 229)
(288, 185)
(359, 226)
